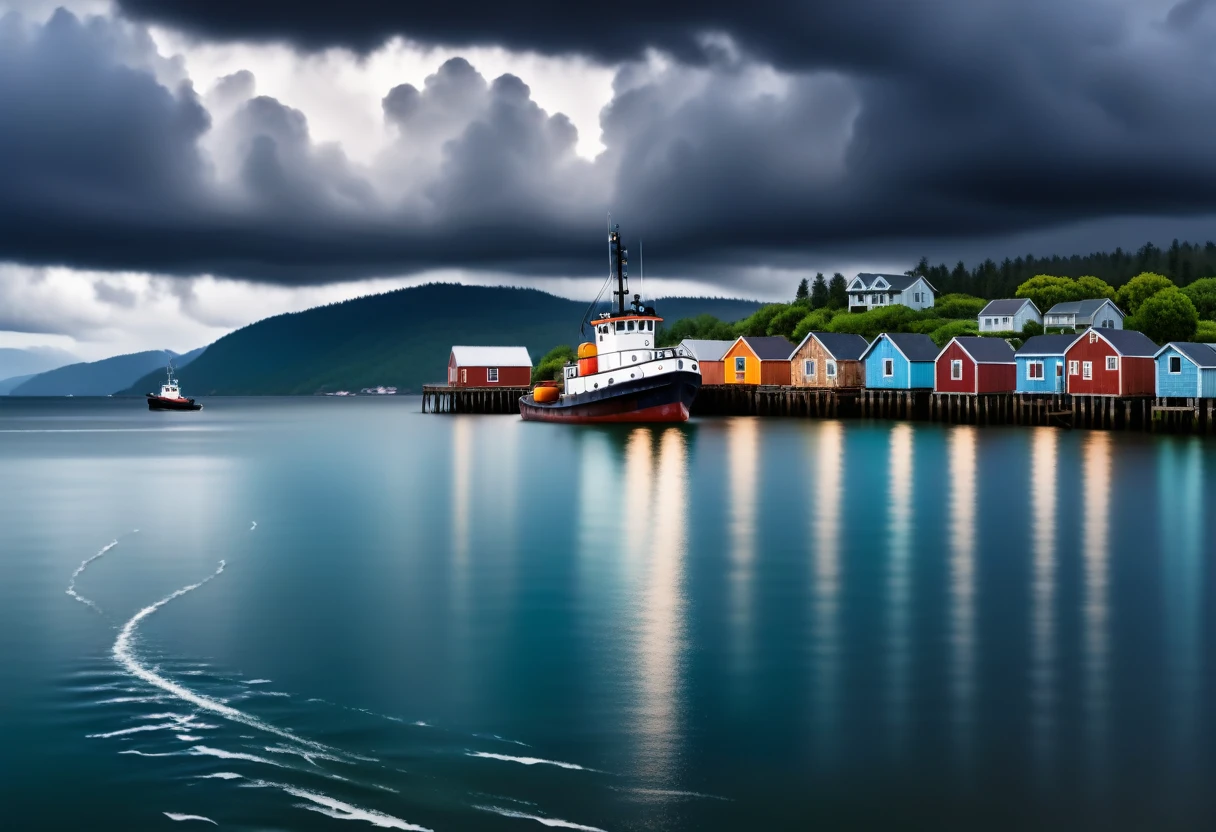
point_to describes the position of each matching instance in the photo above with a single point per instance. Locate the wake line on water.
(527, 761)
(84, 564)
(176, 816)
(124, 653)
(551, 822)
(331, 807)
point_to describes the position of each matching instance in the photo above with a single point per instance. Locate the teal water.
(471, 622)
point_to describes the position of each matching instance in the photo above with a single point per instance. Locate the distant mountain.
(7, 385)
(399, 339)
(94, 378)
(31, 361)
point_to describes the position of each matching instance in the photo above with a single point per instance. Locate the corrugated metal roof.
(1202, 355)
(1045, 345)
(492, 356)
(1129, 342)
(840, 345)
(706, 350)
(1007, 306)
(770, 347)
(986, 350)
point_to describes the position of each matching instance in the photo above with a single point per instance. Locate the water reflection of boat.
(170, 397)
(621, 376)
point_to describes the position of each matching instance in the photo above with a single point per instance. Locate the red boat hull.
(663, 400)
(160, 403)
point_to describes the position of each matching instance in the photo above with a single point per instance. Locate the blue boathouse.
(900, 361)
(1040, 363)
(1186, 370)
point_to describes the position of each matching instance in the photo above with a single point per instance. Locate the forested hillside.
(398, 339)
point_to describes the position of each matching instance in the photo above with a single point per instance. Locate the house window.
(492, 375)
(1087, 370)
(1059, 370)
(1072, 368)
(808, 368)
(1034, 370)
(888, 367)
(874, 299)
(831, 369)
(916, 297)
(1005, 320)
(740, 364)
(956, 370)
(1175, 364)
(1112, 362)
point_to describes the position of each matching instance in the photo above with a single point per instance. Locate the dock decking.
(1174, 415)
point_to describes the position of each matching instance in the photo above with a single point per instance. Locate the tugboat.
(171, 397)
(620, 376)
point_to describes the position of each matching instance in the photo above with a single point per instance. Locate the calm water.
(474, 623)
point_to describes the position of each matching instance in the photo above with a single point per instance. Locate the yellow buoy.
(587, 349)
(545, 395)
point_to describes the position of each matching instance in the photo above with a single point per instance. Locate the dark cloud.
(780, 130)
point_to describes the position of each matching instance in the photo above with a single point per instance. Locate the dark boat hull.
(158, 403)
(667, 398)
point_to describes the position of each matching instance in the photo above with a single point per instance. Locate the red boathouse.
(489, 367)
(971, 364)
(1111, 362)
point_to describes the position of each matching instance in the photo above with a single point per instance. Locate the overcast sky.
(173, 170)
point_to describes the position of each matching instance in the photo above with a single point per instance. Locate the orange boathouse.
(758, 360)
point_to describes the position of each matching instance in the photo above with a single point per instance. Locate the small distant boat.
(171, 397)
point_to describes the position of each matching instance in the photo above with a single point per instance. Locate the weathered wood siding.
(1138, 376)
(848, 373)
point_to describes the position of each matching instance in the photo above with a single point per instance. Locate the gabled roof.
(840, 345)
(1085, 309)
(1201, 355)
(769, 347)
(896, 282)
(1126, 342)
(706, 350)
(492, 356)
(1009, 306)
(1040, 346)
(912, 345)
(985, 350)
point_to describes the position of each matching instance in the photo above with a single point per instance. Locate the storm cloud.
(736, 136)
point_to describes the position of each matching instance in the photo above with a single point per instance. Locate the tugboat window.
(631, 326)
(620, 326)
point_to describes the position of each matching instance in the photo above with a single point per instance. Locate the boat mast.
(619, 260)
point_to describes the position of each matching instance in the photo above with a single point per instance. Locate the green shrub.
(942, 335)
(702, 326)
(550, 367)
(1031, 329)
(785, 321)
(817, 321)
(1206, 333)
(958, 306)
(757, 323)
(870, 324)
(926, 326)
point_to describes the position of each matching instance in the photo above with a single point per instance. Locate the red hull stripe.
(671, 412)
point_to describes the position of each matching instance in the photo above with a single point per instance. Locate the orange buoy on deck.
(588, 359)
(545, 394)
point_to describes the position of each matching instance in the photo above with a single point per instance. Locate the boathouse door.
(464, 376)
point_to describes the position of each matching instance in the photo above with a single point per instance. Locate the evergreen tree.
(819, 292)
(804, 291)
(838, 292)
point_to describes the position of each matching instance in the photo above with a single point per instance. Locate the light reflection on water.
(821, 622)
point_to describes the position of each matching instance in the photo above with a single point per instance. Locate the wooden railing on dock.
(440, 398)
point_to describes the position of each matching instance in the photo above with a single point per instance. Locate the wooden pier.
(440, 398)
(1030, 409)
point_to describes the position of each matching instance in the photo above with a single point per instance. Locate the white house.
(1099, 313)
(868, 291)
(1009, 315)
